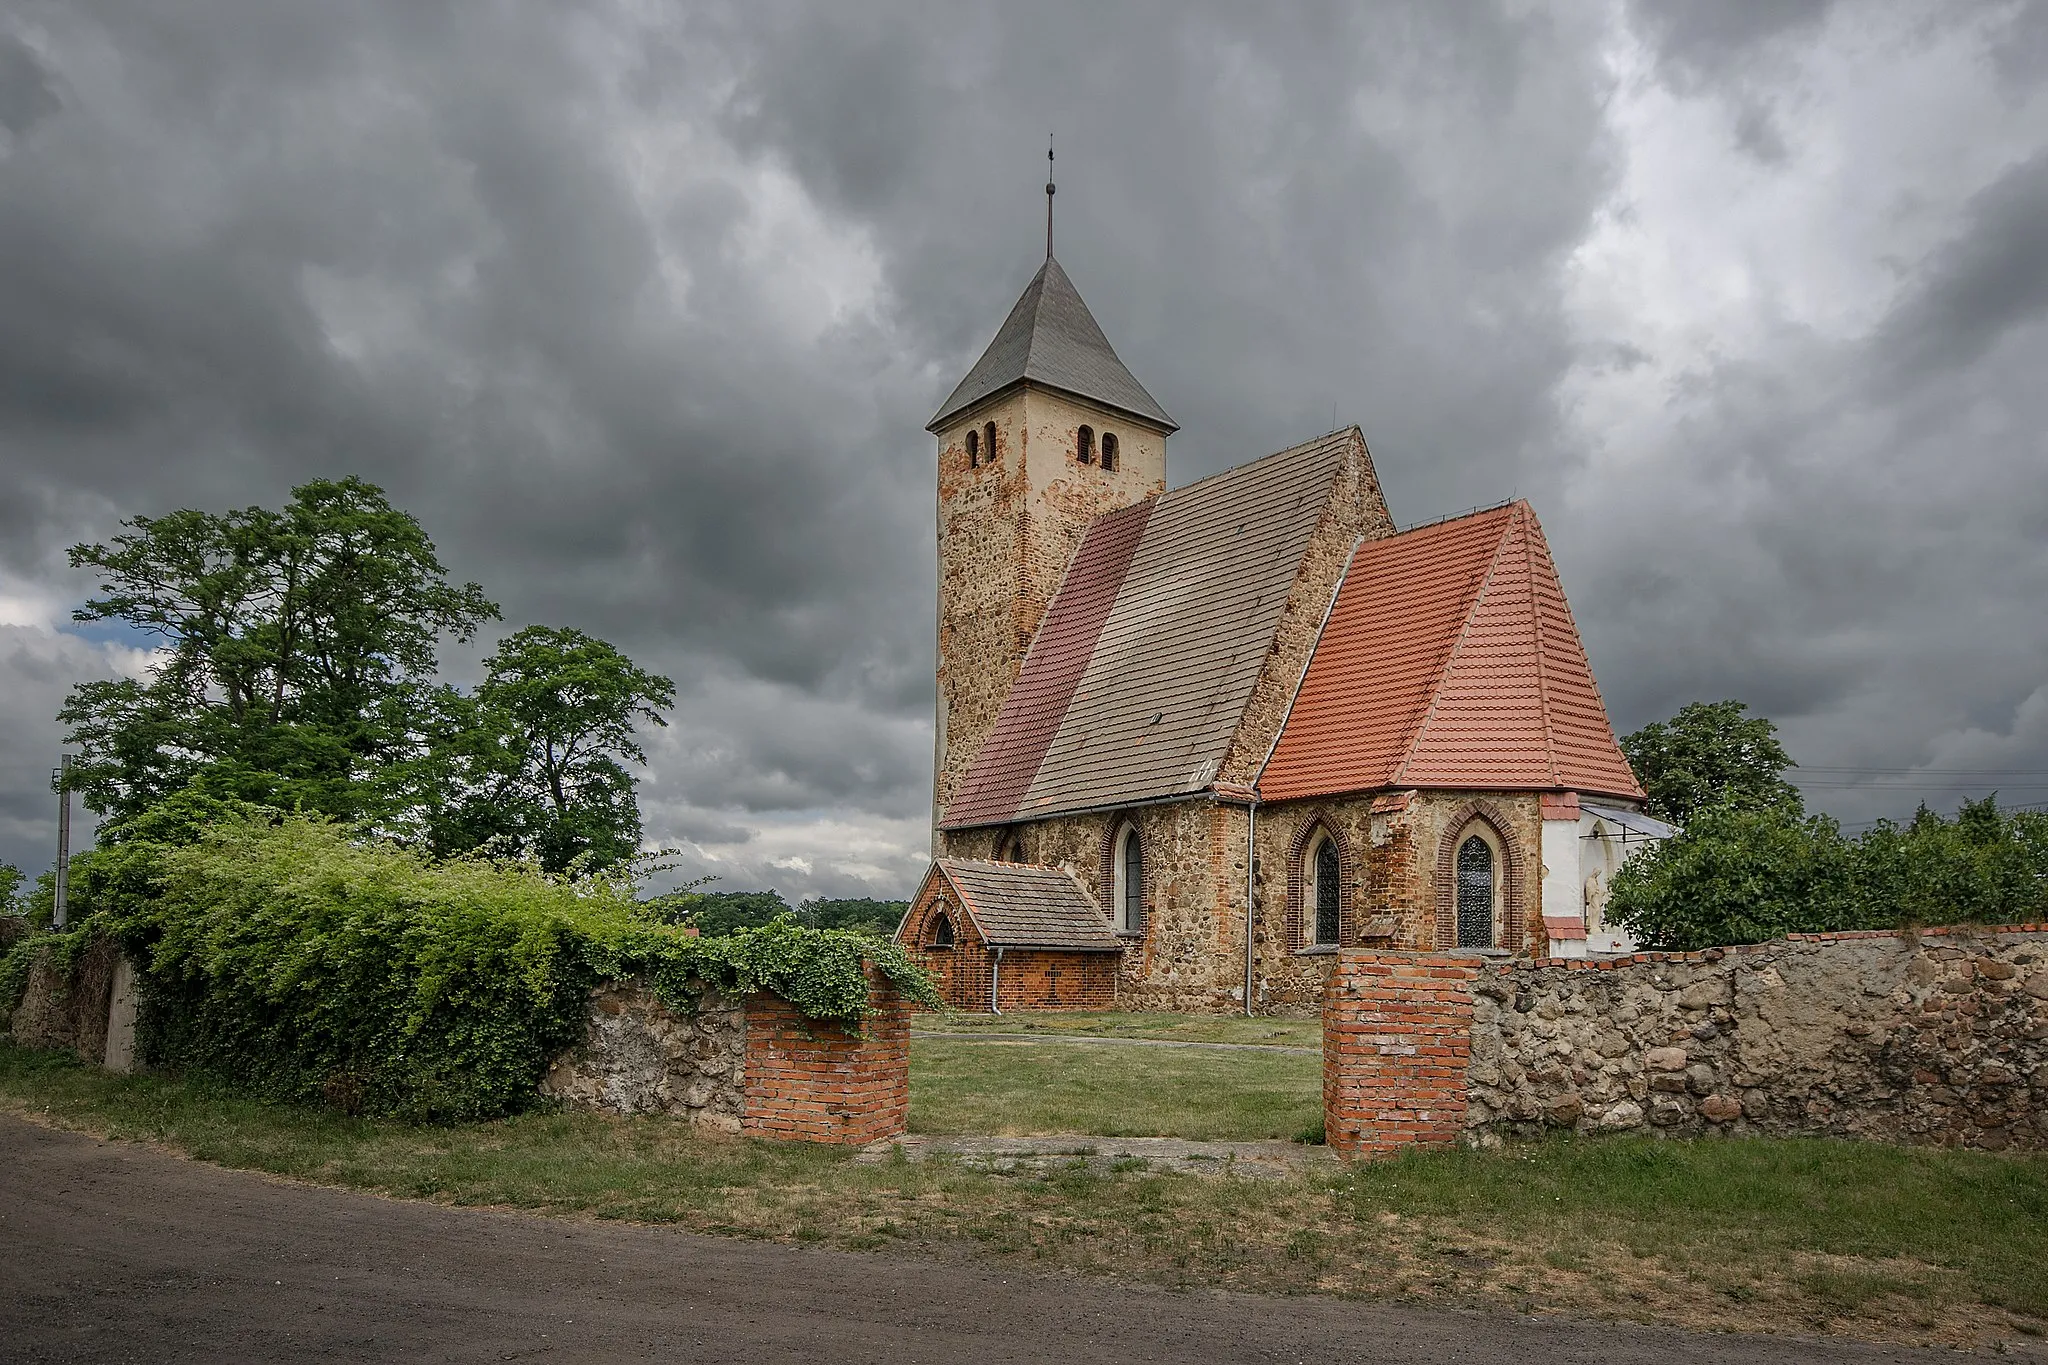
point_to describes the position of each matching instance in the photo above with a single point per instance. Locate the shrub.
(1746, 874)
(305, 965)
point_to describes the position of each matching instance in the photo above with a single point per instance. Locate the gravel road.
(116, 1252)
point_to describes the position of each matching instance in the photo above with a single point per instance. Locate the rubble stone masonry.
(1933, 1037)
(757, 1066)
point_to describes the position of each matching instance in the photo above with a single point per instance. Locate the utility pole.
(61, 780)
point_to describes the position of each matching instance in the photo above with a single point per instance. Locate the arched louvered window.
(1329, 887)
(973, 448)
(1109, 451)
(942, 930)
(1128, 897)
(1475, 893)
(1084, 445)
(988, 443)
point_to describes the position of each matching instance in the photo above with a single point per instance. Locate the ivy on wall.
(302, 963)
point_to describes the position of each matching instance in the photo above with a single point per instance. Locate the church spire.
(1048, 196)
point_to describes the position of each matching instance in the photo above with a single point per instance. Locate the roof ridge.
(1518, 520)
(1443, 670)
(1258, 460)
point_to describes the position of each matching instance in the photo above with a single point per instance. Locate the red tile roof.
(1450, 660)
(1141, 670)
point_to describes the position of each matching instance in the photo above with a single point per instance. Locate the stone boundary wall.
(1397, 1033)
(1935, 1037)
(755, 1066)
(69, 1012)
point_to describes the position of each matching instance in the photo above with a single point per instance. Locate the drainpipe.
(1251, 826)
(995, 983)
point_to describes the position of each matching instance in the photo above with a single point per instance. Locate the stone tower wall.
(1007, 529)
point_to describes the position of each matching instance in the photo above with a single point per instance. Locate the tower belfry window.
(1109, 452)
(1084, 445)
(988, 443)
(973, 448)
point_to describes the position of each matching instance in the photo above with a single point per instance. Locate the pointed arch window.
(1475, 892)
(1084, 445)
(988, 444)
(973, 448)
(1109, 450)
(1326, 873)
(1010, 848)
(1127, 892)
(942, 930)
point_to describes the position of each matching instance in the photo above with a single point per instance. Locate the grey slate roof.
(1176, 657)
(1051, 338)
(1023, 905)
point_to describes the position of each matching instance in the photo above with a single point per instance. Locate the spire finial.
(1048, 196)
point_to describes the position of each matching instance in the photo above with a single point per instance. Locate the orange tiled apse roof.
(1450, 659)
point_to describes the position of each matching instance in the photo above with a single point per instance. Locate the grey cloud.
(642, 310)
(1714, 39)
(1979, 287)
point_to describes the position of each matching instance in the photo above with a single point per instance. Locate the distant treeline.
(721, 912)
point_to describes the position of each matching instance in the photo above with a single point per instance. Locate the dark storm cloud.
(1979, 287)
(642, 309)
(521, 265)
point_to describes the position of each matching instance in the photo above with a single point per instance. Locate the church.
(1193, 741)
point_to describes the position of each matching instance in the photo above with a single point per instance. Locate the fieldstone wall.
(755, 1066)
(1939, 1038)
(68, 1010)
(640, 1057)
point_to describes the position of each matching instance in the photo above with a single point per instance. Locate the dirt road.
(110, 1252)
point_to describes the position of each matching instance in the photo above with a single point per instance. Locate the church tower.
(1047, 432)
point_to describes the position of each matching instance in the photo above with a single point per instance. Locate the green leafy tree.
(534, 762)
(860, 914)
(293, 648)
(1711, 754)
(715, 913)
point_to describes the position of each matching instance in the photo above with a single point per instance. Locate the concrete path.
(1268, 1157)
(1119, 1042)
(111, 1252)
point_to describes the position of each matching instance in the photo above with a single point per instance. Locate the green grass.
(1018, 1089)
(1895, 1244)
(1185, 1028)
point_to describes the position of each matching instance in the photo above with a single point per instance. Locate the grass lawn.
(1017, 1089)
(1904, 1245)
(1184, 1028)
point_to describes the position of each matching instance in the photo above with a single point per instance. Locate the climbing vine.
(304, 963)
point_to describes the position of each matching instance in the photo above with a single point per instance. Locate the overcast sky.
(642, 307)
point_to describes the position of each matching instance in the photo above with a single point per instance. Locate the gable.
(1137, 680)
(1450, 660)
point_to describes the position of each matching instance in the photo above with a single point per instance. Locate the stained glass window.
(1134, 883)
(1475, 893)
(1329, 882)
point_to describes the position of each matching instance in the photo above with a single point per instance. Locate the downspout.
(1251, 826)
(995, 983)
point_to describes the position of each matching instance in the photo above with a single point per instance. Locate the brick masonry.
(757, 1067)
(1397, 1037)
(968, 977)
(1935, 1037)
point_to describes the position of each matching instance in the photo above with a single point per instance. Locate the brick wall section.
(812, 1081)
(1034, 980)
(1397, 1033)
(1933, 1037)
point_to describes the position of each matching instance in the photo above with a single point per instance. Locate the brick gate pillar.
(1397, 1038)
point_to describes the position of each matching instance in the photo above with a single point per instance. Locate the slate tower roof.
(1051, 339)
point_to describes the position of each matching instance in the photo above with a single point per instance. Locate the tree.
(1741, 874)
(10, 889)
(533, 762)
(1711, 754)
(294, 647)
